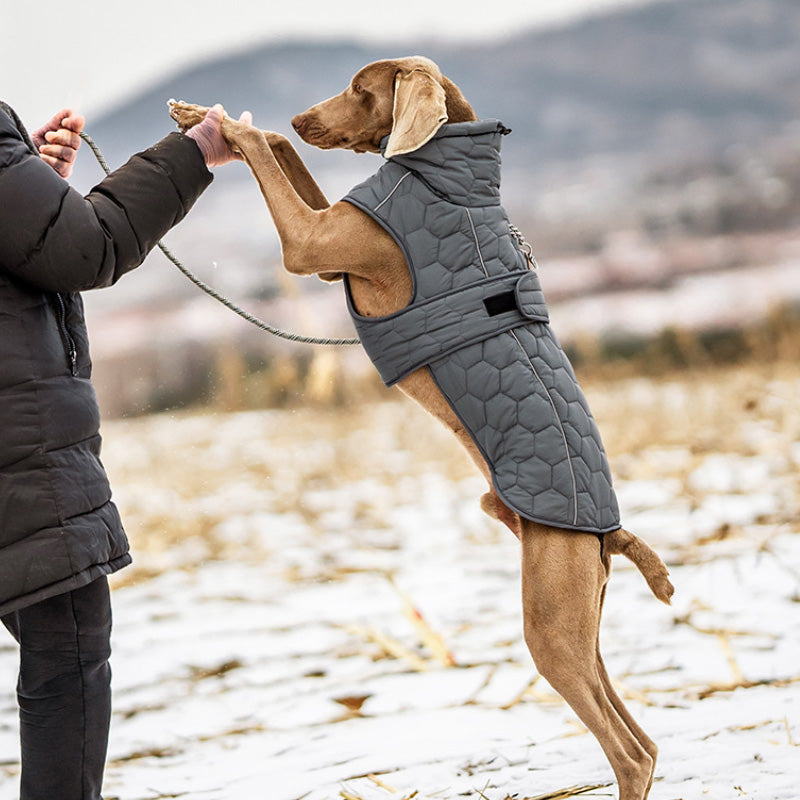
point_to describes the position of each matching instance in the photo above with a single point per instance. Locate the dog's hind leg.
(563, 577)
(644, 740)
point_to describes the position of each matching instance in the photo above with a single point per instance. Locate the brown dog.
(564, 573)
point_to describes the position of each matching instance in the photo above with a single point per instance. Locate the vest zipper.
(66, 336)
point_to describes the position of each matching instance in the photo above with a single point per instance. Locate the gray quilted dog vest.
(478, 321)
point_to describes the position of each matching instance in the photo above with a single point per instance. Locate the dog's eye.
(358, 88)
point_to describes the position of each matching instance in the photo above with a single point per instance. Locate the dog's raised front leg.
(325, 240)
(294, 168)
(187, 115)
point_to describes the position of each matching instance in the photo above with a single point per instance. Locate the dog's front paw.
(187, 115)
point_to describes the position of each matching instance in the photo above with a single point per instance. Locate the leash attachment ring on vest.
(211, 292)
(524, 246)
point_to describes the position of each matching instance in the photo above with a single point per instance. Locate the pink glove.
(58, 141)
(208, 135)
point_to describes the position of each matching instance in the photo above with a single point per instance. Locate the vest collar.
(461, 162)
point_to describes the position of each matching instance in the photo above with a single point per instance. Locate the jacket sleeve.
(53, 238)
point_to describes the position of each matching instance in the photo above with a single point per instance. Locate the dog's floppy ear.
(419, 111)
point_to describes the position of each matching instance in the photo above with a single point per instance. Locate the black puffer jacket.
(58, 527)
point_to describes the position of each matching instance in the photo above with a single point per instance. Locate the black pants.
(64, 693)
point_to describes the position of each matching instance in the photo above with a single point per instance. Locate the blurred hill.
(668, 81)
(654, 150)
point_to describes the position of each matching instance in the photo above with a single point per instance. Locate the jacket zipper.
(69, 343)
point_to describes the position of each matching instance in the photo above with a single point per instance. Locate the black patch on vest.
(500, 303)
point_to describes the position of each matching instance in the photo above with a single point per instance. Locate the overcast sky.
(86, 53)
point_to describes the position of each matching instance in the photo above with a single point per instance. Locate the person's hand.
(208, 135)
(58, 141)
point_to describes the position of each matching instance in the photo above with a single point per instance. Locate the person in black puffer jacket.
(60, 533)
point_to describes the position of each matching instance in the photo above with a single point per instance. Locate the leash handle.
(221, 298)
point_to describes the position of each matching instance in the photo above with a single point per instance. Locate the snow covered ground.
(319, 609)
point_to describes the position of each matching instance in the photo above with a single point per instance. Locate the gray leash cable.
(259, 323)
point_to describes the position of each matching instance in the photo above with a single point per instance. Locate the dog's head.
(407, 99)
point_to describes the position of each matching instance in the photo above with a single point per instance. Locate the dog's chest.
(388, 293)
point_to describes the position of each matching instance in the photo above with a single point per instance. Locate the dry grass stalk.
(717, 688)
(151, 752)
(429, 637)
(482, 794)
(562, 794)
(390, 646)
(518, 699)
(578, 729)
(751, 727)
(348, 794)
(789, 736)
(754, 725)
(629, 693)
(378, 782)
(720, 633)
(702, 691)
(725, 643)
(473, 698)
(202, 673)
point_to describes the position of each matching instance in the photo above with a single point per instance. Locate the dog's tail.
(646, 559)
(618, 542)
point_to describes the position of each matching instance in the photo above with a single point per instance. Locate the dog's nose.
(299, 123)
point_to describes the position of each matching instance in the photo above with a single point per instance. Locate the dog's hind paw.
(187, 115)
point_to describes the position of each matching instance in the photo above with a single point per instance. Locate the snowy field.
(318, 609)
